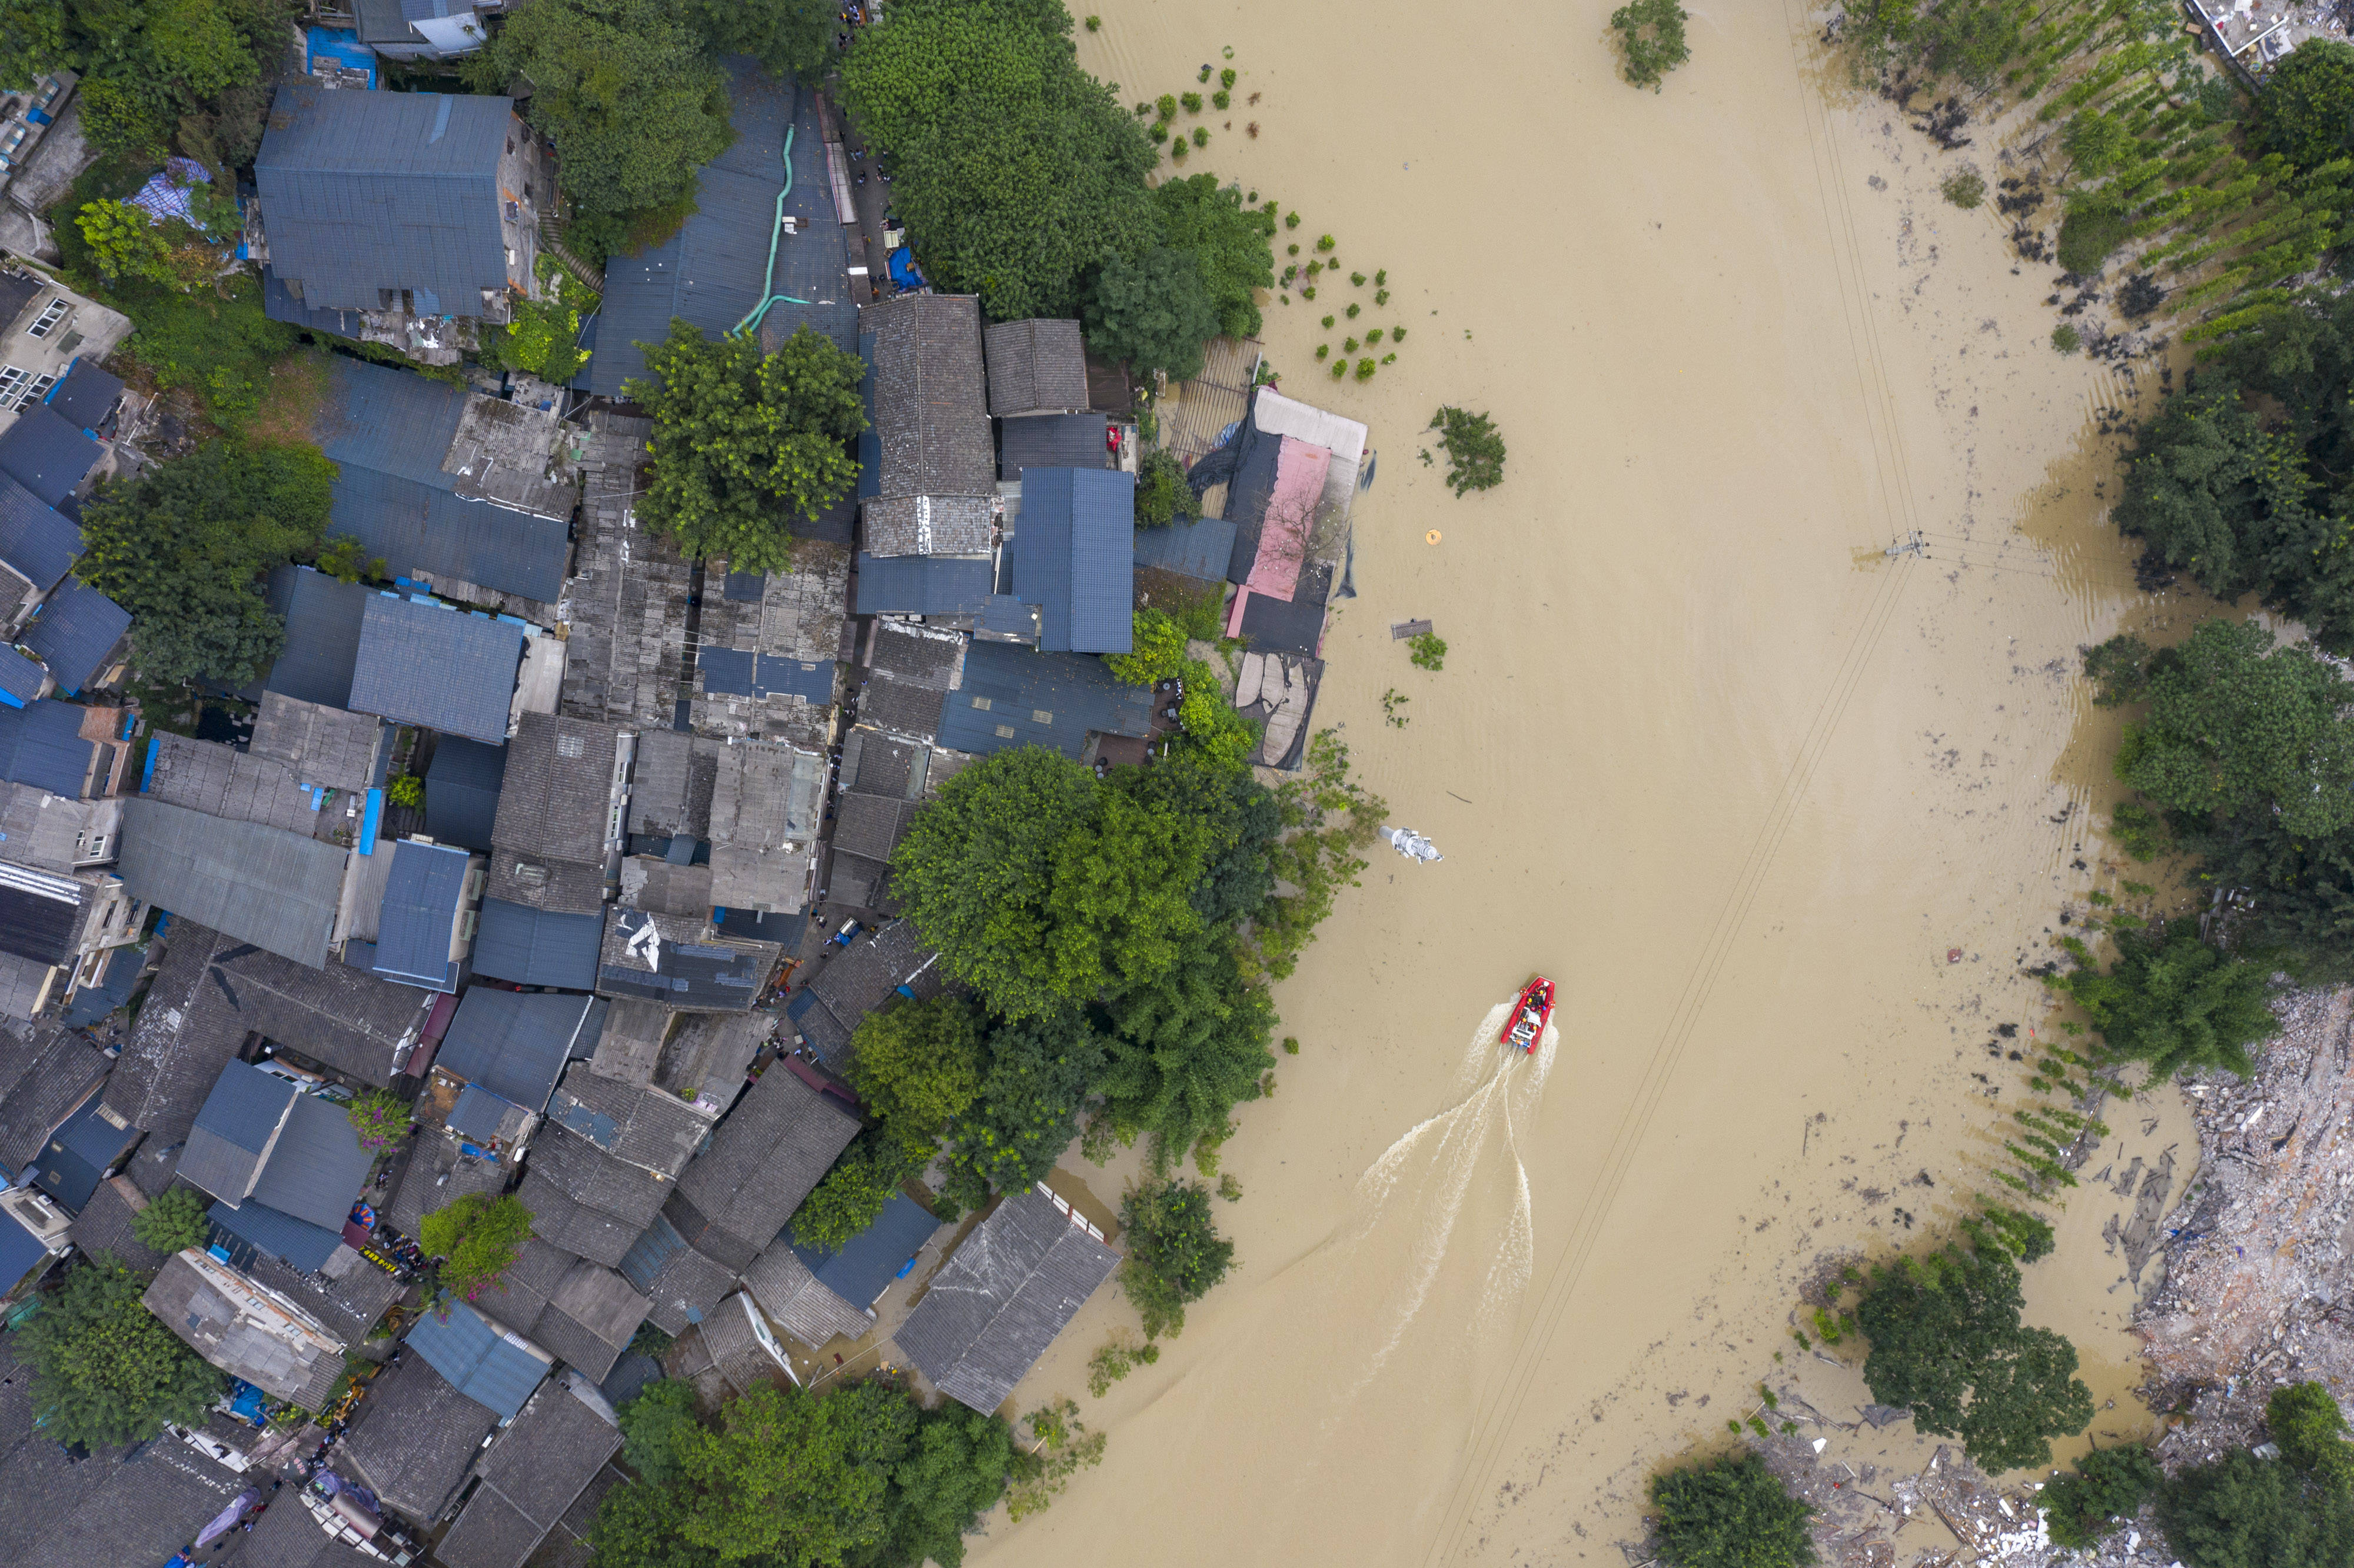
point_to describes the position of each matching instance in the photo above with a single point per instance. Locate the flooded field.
(1784, 815)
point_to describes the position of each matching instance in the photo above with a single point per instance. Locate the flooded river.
(1784, 815)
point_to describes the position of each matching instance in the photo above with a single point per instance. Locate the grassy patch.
(291, 395)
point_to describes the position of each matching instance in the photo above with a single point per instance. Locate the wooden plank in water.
(1401, 630)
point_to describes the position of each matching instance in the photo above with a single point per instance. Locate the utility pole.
(1911, 544)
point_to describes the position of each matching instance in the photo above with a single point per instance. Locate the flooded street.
(1784, 816)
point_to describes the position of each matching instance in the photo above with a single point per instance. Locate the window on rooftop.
(981, 703)
(12, 379)
(41, 384)
(1040, 715)
(1005, 732)
(51, 314)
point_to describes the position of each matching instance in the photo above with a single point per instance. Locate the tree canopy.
(2306, 112)
(1948, 1344)
(1040, 887)
(1175, 1255)
(172, 1222)
(627, 89)
(1729, 1512)
(105, 1369)
(154, 71)
(1230, 246)
(1015, 170)
(2240, 1511)
(1151, 310)
(477, 1237)
(789, 37)
(184, 546)
(744, 440)
(1184, 1049)
(918, 1066)
(1157, 648)
(652, 1425)
(2107, 1484)
(1040, 1072)
(2176, 1001)
(855, 1189)
(2311, 1432)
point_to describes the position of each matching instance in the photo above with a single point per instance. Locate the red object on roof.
(436, 1025)
(1299, 471)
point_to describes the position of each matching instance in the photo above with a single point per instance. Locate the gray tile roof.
(1035, 366)
(593, 1204)
(364, 192)
(863, 979)
(349, 1303)
(335, 1015)
(671, 783)
(665, 887)
(461, 790)
(922, 584)
(444, 669)
(257, 883)
(47, 1072)
(784, 1287)
(414, 1438)
(186, 1033)
(45, 830)
(105, 1225)
(632, 1041)
(534, 947)
(590, 1318)
(539, 1465)
(876, 764)
(765, 1158)
(140, 1507)
(522, 1292)
(645, 1126)
(323, 634)
(220, 781)
(1052, 440)
(928, 524)
(288, 1536)
(1002, 1297)
(1007, 688)
(437, 1176)
(859, 883)
(931, 414)
(681, 963)
(1074, 556)
(871, 825)
(515, 1044)
(317, 1167)
(710, 1052)
(555, 814)
(567, 1545)
(422, 898)
(682, 1283)
(915, 656)
(319, 744)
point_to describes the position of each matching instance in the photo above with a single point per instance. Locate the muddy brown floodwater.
(1700, 752)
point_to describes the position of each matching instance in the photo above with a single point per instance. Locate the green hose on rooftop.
(759, 312)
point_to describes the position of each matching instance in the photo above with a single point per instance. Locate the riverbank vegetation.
(1728, 1513)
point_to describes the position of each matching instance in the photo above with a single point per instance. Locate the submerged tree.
(2175, 1001)
(1175, 1255)
(1475, 452)
(1729, 1512)
(1651, 35)
(2108, 1484)
(1153, 312)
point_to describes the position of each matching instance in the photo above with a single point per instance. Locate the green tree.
(124, 243)
(543, 340)
(1040, 888)
(788, 1477)
(2211, 490)
(625, 89)
(2306, 112)
(178, 1220)
(791, 38)
(1015, 170)
(652, 1425)
(1162, 496)
(1157, 649)
(476, 1238)
(1328, 821)
(184, 546)
(2098, 142)
(1651, 35)
(1184, 1049)
(1060, 1445)
(2240, 1511)
(1041, 1071)
(1240, 819)
(638, 1527)
(918, 1066)
(2119, 669)
(2107, 1484)
(1230, 246)
(742, 439)
(1475, 452)
(1948, 1344)
(1153, 312)
(2175, 1001)
(854, 1190)
(106, 1369)
(152, 67)
(953, 1471)
(1729, 1512)
(1175, 1255)
(2311, 1432)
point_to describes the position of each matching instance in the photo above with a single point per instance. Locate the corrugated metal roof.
(533, 946)
(304, 1245)
(45, 455)
(922, 584)
(930, 404)
(364, 192)
(480, 1115)
(317, 1167)
(79, 1154)
(35, 538)
(1052, 440)
(41, 745)
(257, 883)
(515, 1044)
(1197, 549)
(421, 901)
(1006, 688)
(869, 1261)
(77, 629)
(278, 303)
(86, 395)
(710, 273)
(495, 1367)
(21, 679)
(678, 962)
(1074, 556)
(323, 634)
(441, 668)
(740, 672)
(319, 744)
(461, 790)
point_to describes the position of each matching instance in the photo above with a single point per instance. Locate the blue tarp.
(903, 269)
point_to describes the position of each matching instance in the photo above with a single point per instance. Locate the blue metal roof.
(389, 432)
(495, 1370)
(302, 1244)
(73, 633)
(461, 790)
(317, 1167)
(656, 1245)
(323, 635)
(1007, 686)
(1074, 556)
(21, 679)
(35, 538)
(421, 899)
(1197, 549)
(430, 664)
(42, 745)
(747, 588)
(478, 1113)
(20, 1249)
(78, 1155)
(364, 192)
(736, 672)
(514, 1043)
(45, 455)
(870, 1260)
(278, 303)
(922, 584)
(531, 946)
(710, 273)
(86, 395)
(245, 1107)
